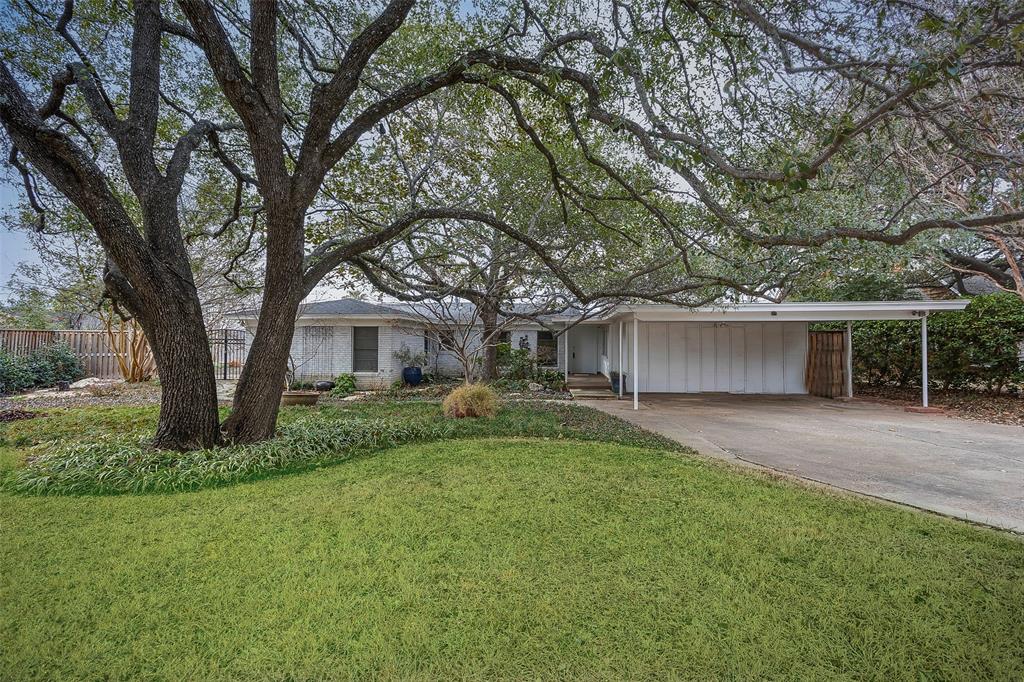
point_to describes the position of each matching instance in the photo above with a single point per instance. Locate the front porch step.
(592, 394)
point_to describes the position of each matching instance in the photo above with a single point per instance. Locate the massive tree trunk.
(188, 390)
(258, 394)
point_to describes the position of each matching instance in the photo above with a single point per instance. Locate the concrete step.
(592, 394)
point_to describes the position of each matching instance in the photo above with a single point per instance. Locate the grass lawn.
(489, 558)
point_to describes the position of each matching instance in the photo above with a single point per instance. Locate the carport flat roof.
(810, 311)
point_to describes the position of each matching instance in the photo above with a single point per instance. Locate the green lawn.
(503, 558)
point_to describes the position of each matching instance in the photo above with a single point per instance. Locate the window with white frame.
(364, 349)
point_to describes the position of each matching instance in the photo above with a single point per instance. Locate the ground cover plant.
(504, 559)
(104, 450)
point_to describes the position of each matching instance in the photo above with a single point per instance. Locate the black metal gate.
(227, 346)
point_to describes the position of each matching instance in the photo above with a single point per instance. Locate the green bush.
(510, 385)
(15, 374)
(471, 400)
(550, 378)
(122, 465)
(521, 365)
(344, 384)
(42, 367)
(979, 346)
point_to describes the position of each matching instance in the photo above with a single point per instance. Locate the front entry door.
(584, 347)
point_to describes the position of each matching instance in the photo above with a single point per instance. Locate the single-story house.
(756, 348)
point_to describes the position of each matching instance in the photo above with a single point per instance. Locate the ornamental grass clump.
(124, 465)
(471, 400)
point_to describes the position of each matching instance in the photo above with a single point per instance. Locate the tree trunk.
(258, 394)
(188, 390)
(489, 321)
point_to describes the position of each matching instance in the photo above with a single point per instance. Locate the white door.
(584, 349)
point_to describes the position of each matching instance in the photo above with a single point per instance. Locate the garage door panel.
(795, 354)
(657, 340)
(737, 369)
(693, 357)
(677, 351)
(754, 357)
(774, 379)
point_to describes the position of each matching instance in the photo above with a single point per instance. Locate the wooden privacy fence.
(826, 364)
(90, 345)
(93, 348)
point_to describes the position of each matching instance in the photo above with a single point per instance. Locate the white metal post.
(849, 359)
(636, 364)
(924, 360)
(622, 379)
(566, 335)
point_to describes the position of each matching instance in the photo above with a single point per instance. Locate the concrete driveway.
(960, 468)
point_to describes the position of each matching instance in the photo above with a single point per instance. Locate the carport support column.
(566, 335)
(924, 360)
(636, 363)
(849, 359)
(622, 379)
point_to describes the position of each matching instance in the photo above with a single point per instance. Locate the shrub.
(15, 374)
(344, 384)
(471, 400)
(510, 385)
(979, 346)
(550, 379)
(521, 364)
(42, 367)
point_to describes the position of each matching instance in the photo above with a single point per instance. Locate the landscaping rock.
(94, 381)
(535, 387)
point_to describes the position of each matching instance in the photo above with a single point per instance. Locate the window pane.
(547, 348)
(364, 349)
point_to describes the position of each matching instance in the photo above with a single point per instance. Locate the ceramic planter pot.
(412, 376)
(323, 385)
(299, 397)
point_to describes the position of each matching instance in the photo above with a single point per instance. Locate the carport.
(753, 348)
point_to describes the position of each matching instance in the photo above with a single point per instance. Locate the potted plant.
(412, 364)
(615, 378)
(294, 393)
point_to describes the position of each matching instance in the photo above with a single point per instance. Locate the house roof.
(347, 307)
(804, 311)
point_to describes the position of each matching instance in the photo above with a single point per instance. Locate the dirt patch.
(18, 415)
(110, 395)
(975, 405)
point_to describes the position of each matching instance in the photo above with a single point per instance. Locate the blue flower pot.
(412, 376)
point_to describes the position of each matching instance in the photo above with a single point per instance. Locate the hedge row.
(980, 347)
(42, 367)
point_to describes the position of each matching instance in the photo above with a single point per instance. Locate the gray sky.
(14, 246)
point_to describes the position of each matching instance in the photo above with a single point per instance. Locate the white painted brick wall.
(326, 351)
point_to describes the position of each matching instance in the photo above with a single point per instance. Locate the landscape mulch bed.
(975, 405)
